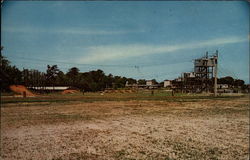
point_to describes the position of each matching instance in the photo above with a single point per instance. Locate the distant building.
(225, 88)
(149, 83)
(49, 88)
(222, 86)
(178, 79)
(126, 85)
(189, 75)
(167, 83)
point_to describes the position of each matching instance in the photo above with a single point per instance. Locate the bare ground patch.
(211, 129)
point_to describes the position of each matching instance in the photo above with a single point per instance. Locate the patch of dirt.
(20, 89)
(120, 91)
(70, 91)
(212, 129)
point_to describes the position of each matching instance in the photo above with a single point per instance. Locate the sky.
(142, 40)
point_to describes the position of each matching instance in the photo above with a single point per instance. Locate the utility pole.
(215, 72)
(207, 75)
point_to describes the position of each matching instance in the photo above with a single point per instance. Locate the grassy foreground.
(97, 96)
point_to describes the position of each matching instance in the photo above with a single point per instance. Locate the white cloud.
(94, 32)
(97, 54)
(78, 31)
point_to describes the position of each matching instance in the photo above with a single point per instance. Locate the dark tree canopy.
(141, 81)
(73, 72)
(9, 74)
(226, 80)
(52, 72)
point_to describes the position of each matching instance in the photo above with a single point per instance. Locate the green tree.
(61, 79)
(141, 81)
(9, 75)
(154, 81)
(239, 82)
(51, 74)
(108, 80)
(73, 76)
(131, 81)
(226, 80)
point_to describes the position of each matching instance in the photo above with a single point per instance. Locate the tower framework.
(205, 69)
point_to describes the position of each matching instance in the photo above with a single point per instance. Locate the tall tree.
(73, 76)
(239, 83)
(61, 79)
(226, 80)
(9, 74)
(141, 81)
(51, 73)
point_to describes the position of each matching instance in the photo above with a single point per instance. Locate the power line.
(228, 72)
(224, 69)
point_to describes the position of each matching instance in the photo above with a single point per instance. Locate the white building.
(167, 83)
(222, 86)
(58, 88)
(178, 79)
(149, 83)
(189, 75)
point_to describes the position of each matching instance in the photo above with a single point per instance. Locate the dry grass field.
(109, 127)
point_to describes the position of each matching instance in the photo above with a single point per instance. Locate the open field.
(125, 126)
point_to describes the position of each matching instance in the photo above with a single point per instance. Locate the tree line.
(95, 80)
(88, 81)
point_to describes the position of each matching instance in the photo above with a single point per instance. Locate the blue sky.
(140, 39)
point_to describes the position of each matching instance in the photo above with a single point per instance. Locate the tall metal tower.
(205, 69)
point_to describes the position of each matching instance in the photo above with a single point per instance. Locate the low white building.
(222, 86)
(189, 75)
(178, 79)
(58, 88)
(149, 83)
(167, 83)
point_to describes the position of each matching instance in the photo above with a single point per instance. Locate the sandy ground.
(211, 129)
